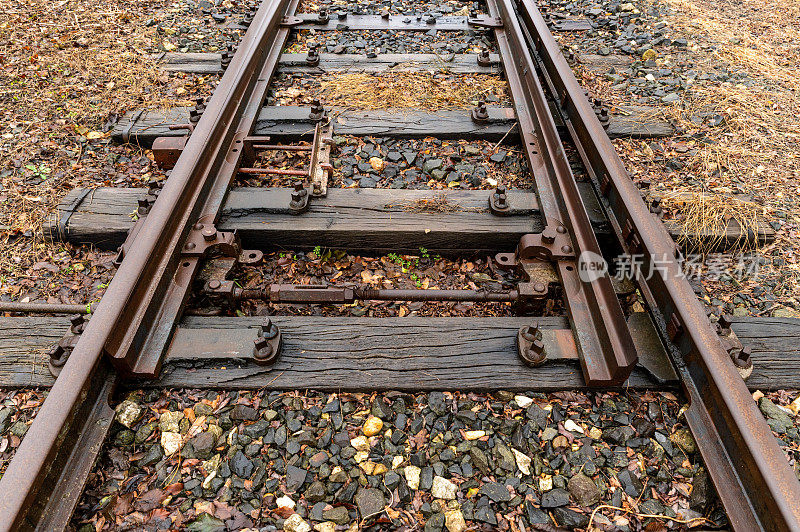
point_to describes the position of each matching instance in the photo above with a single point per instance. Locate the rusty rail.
(752, 476)
(134, 324)
(143, 300)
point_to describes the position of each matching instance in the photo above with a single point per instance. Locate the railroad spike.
(480, 113)
(312, 59)
(484, 59)
(317, 111)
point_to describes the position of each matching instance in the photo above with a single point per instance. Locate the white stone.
(523, 461)
(412, 476)
(443, 489)
(522, 401)
(454, 521)
(128, 412)
(170, 421)
(474, 434)
(327, 526)
(572, 426)
(360, 443)
(285, 501)
(396, 461)
(295, 523)
(171, 442)
(545, 484)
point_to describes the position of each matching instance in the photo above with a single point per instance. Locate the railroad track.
(558, 239)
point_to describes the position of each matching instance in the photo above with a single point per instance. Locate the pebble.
(372, 426)
(369, 502)
(412, 474)
(171, 442)
(295, 523)
(443, 489)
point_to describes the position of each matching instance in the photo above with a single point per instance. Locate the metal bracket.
(267, 345)
(498, 202)
(204, 237)
(288, 22)
(59, 353)
(740, 354)
(529, 345)
(144, 206)
(485, 21)
(63, 222)
(320, 169)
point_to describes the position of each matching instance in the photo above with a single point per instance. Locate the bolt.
(296, 197)
(57, 357)
(483, 58)
(323, 17)
(209, 234)
(313, 55)
(548, 235)
(191, 245)
(743, 358)
(566, 249)
(431, 20)
(78, 323)
(539, 287)
(260, 344)
(535, 354)
(531, 332)
(268, 329)
(480, 113)
(317, 110)
(214, 284)
(561, 229)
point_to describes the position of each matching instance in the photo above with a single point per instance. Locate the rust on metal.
(755, 483)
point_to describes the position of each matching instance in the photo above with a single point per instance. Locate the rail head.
(753, 478)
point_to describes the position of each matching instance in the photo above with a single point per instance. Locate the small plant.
(317, 251)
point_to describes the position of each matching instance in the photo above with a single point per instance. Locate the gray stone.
(338, 515)
(583, 490)
(370, 502)
(244, 413)
(295, 477)
(241, 465)
(495, 491)
(203, 445)
(778, 418)
(315, 492)
(555, 498)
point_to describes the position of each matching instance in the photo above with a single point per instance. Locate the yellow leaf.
(94, 135)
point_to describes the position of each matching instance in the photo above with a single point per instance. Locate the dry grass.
(438, 202)
(408, 90)
(708, 215)
(66, 67)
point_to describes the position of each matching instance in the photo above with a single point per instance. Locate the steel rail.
(134, 298)
(608, 354)
(750, 471)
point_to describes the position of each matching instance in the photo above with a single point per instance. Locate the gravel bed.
(17, 410)
(204, 460)
(393, 42)
(393, 7)
(430, 163)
